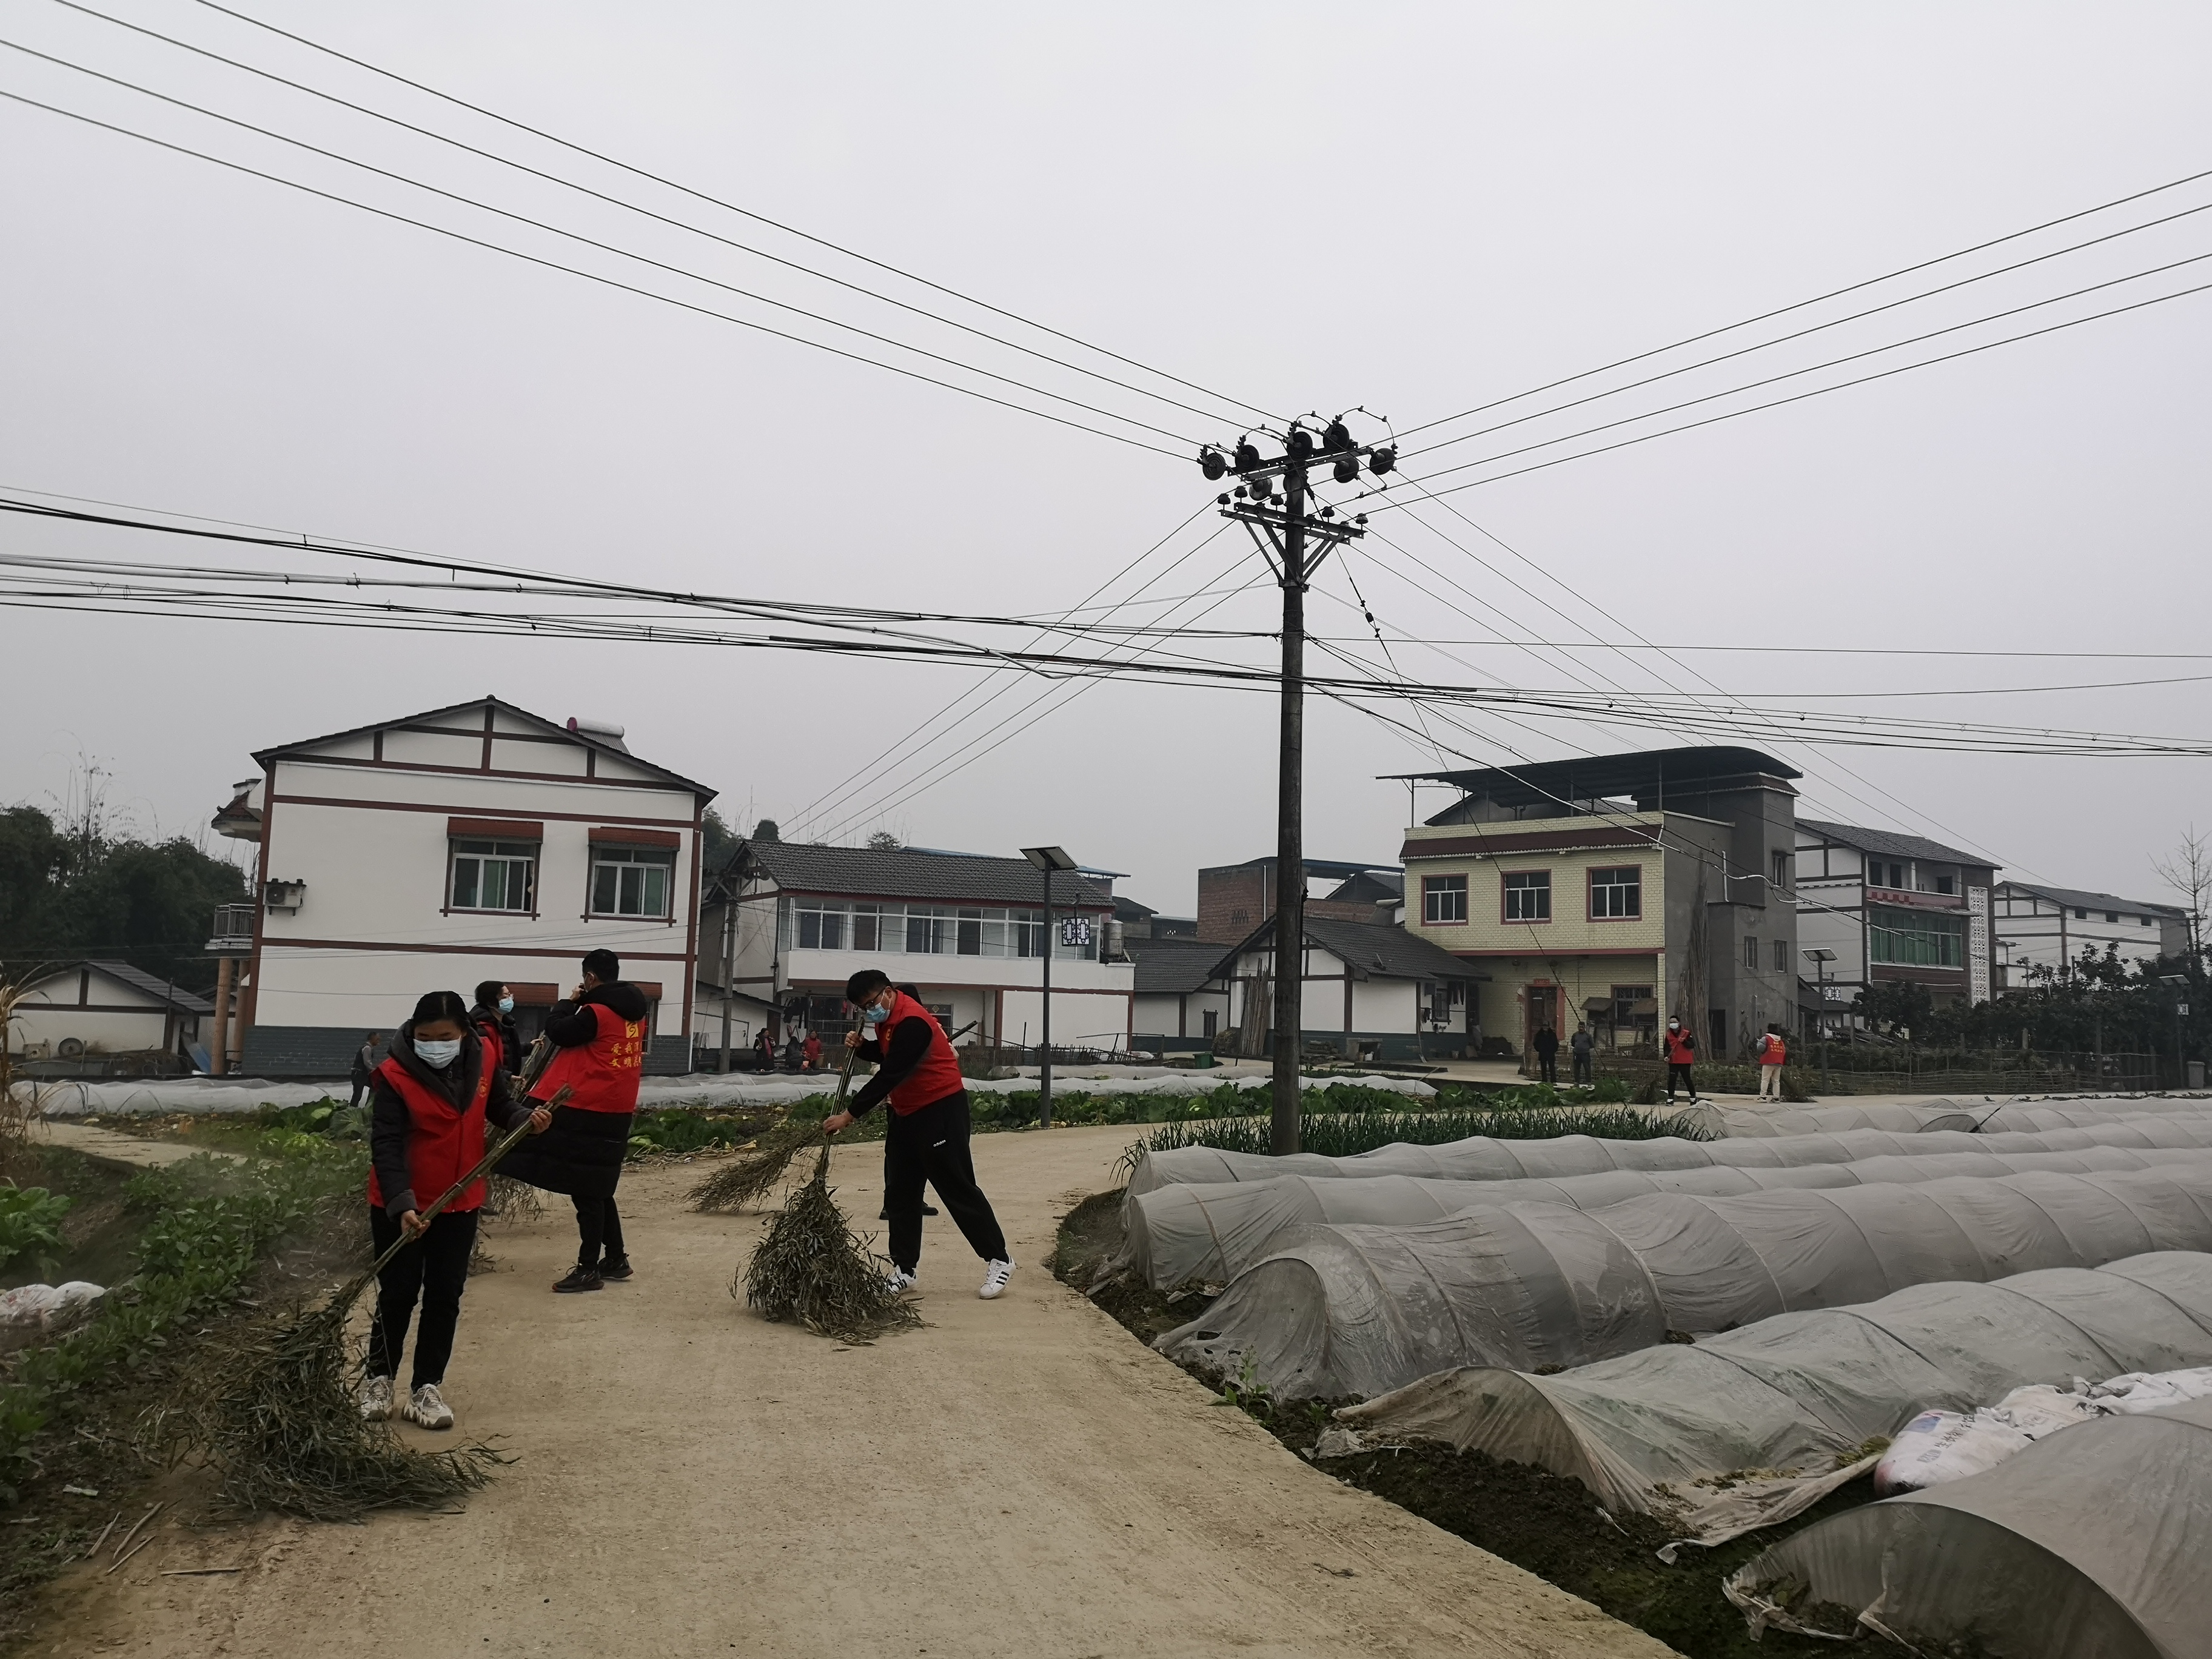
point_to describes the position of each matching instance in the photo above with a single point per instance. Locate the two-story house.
(432, 852)
(2041, 925)
(967, 929)
(1878, 905)
(1615, 891)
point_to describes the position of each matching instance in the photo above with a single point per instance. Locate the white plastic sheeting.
(1356, 1310)
(1484, 1157)
(1762, 1121)
(2076, 1115)
(2091, 1544)
(1798, 1397)
(1173, 1235)
(200, 1094)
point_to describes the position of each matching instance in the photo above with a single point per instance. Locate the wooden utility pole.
(1282, 533)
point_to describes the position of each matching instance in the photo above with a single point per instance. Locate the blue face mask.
(876, 1016)
(506, 1005)
(438, 1056)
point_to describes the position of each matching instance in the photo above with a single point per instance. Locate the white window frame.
(480, 851)
(618, 859)
(1437, 897)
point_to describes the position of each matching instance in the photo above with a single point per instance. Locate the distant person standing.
(364, 1067)
(1545, 1042)
(1580, 1045)
(1773, 1055)
(927, 1139)
(794, 1050)
(494, 1015)
(1682, 1051)
(765, 1052)
(600, 1034)
(811, 1060)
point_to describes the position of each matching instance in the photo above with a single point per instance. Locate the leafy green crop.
(30, 1221)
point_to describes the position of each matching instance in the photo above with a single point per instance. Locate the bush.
(30, 1221)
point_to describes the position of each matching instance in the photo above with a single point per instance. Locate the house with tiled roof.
(1883, 906)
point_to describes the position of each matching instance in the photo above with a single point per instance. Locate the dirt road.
(1021, 1477)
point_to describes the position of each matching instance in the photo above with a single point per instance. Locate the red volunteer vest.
(602, 1074)
(1775, 1054)
(443, 1144)
(1679, 1051)
(938, 1073)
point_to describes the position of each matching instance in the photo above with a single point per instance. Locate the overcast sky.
(1414, 208)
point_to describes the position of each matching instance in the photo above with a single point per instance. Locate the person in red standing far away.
(927, 1139)
(1682, 1051)
(1773, 1055)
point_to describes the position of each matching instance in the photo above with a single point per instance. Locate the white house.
(1887, 907)
(1370, 992)
(79, 1008)
(1183, 998)
(437, 850)
(965, 928)
(2051, 927)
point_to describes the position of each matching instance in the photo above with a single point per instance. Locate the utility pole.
(1049, 859)
(1287, 529)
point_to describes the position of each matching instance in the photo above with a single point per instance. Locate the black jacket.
(510, 1042)
(387, 1117)
(567, 1027)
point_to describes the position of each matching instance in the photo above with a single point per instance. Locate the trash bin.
(2196, 1073)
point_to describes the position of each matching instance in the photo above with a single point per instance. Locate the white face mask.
(436, 1054)
(506, 1005)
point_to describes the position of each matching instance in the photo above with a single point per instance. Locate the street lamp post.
(2181, 984)
(1821, 957)
(1047, 860)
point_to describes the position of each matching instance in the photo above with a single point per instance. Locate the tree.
(882, 841)
(1897, 1006)
(766, 831)
(2188, 871)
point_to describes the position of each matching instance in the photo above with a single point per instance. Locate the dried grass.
(756, 1172)
(507, 1198)
(811, 1268)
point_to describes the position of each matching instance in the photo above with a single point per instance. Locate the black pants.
(598, 1230)
(1547, 1068)
(932, 1145)
(1679, 1074)
(435, 1267)
(360, 1087)
(1582, 1069)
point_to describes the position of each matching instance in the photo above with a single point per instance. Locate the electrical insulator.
(1248, 456)
(1383, 461)
(1301, 443)
(1347, 469)
(1210, 463)
(1223, 498)
(1335, 438)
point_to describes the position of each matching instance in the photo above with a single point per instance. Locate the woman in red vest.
(927, 1139)
(1773, 1056)
(599, 1036)
(428, 1104)
(1682, 1051)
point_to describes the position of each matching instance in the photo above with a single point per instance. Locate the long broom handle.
(500, 1149)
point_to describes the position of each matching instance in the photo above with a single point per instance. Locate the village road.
(1021, 1477)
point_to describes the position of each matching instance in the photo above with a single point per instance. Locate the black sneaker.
(616, 1268)
(885, 1215)
(580, 1279)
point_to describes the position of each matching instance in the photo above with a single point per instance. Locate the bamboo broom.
(749, 1175)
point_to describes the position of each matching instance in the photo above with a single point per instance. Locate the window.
(821, 927)
(1947, 884)
(1528, 895)
(826, 924)
(2111, 915)
(1616, 894)
(1213, 1023)
(2080, 915)
(494, 875)
(927, 930)
(1782, 956)
(631, 881)
(1443, 899)
(1626, 999)
(1779, 863)
(970, 942)
(1915, 939)
(1751, 954)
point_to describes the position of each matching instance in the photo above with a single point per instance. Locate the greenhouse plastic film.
(1337, 1310)
(2091, 1544)
(1178, 1233)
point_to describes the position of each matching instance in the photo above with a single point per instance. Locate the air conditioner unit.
(282, 897)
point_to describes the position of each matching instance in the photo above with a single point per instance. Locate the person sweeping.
(598, 1038)
(927, 1139)
(428, 1104)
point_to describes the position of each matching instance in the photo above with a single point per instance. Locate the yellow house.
(1615, 891)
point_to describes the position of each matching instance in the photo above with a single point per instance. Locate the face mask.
(506, 1005)
(876, 1016)
(438, 1056)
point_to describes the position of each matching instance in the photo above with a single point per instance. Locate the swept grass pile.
(753, 1174)
(810, 1269)
(275, 1412)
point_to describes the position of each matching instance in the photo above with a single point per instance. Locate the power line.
(588, 241)
(573, 270)
(1783, 311)
(729, 206)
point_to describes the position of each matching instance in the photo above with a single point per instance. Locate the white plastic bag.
(1939, 1446)
(2150, 1391)
(45, 1307)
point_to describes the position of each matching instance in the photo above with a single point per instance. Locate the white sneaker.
(994, 1279)
(375, 1399)
(427, 1408)
(900, 1280)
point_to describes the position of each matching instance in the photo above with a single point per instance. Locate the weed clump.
(810, 1269)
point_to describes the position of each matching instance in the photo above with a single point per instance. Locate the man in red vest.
(927, 1139)
(600, 1036)
(1682, 1051)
